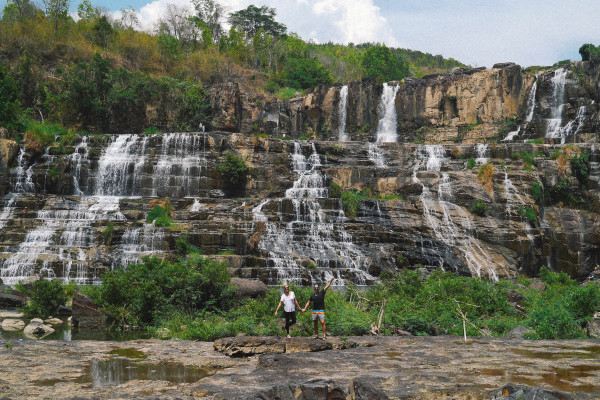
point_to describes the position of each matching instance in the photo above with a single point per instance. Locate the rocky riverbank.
(357, 367)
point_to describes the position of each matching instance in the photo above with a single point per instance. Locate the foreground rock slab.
(424, 368)
(245, 346)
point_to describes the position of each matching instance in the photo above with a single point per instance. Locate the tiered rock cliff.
(74, 211)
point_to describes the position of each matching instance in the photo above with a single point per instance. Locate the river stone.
(362, 389)
(54, 321)
(248, 287)
(248, 346)
(37, 329)
(10, 314)
(539, 286)
(516, 392)
(12, 325)
(518, 332)
(11, 300)
(64, 311)
(593, 328)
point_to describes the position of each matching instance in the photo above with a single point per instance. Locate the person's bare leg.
(316, 328)
(324, 331)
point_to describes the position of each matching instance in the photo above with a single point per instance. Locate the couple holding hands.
(289, 301)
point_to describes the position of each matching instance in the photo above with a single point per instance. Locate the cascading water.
(451, 224)
(314, 235)
(481, 150)
(531, 102)
(386, 112)
(62, 238)
(376, 156)
(342, 111)
(23, 182)
(138, 242)
(180, 165)
(553, 127)
(79, 158)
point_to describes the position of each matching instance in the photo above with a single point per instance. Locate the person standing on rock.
(288, 299)
(318, 309)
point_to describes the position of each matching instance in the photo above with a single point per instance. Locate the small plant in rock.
(160, 216)
(479, 207)
(580, 167)
(107, 234)
(537, 191)
(233, 170)
(8, 345)
(528, 213)
(485, 175)
(471, 163)
(335, 190)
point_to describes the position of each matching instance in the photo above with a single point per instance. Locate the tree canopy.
(380, 63)
(253, 19)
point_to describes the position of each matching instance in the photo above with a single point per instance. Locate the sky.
(475, 32)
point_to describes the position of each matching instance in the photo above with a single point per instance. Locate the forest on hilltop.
(101, 74)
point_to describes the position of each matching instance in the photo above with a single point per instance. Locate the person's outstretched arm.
(306, 306)
(297, 305)
(278, 305)
(329, 284)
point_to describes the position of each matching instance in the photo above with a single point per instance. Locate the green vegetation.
(107, 234)
(471, 163)
(535, 141)
(144, 294)
(102, 75)
(45, 297)
(184, 248)
(233, 170)
(537, 191)
(527, 158)
(479, 208)
(192, 299)
(528, 213)
(580, 167)
(589, 52)
(485, 175)
(351, 198)
(161, 216)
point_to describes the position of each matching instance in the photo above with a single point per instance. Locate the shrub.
(485, 175)
(536, 141)
(528, 213)
(9, 103)
(45, 297)
(151, 130)
(272, 87)
(335, 190)
(144, 293)
(479, 208)
(350, 202)
(471, 163)
(107, 234)
(39, 136)
(305, 73)
(233, 169)
(580, 167)
(160, 216)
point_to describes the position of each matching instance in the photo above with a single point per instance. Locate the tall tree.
(86, 11)
(253, 19)
(176, 22)
(129, 18)
(19, 9)
(56, 11)
(209, 18)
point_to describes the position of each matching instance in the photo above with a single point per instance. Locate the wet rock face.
(416, 208)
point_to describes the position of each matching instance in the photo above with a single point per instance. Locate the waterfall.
(376, 156)
(481, 150)
(531, 101)
(61, 239)
(119, 166)
(450, 224)
(138, 242)
(314, 235)
(180, 165)
(23, 177)
(78, 159)
(342, 111)
(513, 197)
(8, 210)
(574, 126)
(386, 112)
(553, 128)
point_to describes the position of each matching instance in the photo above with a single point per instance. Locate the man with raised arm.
(318, 309)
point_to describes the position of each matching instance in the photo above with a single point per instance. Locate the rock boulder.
(12, 324)
(248, 287)
(36, 329)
